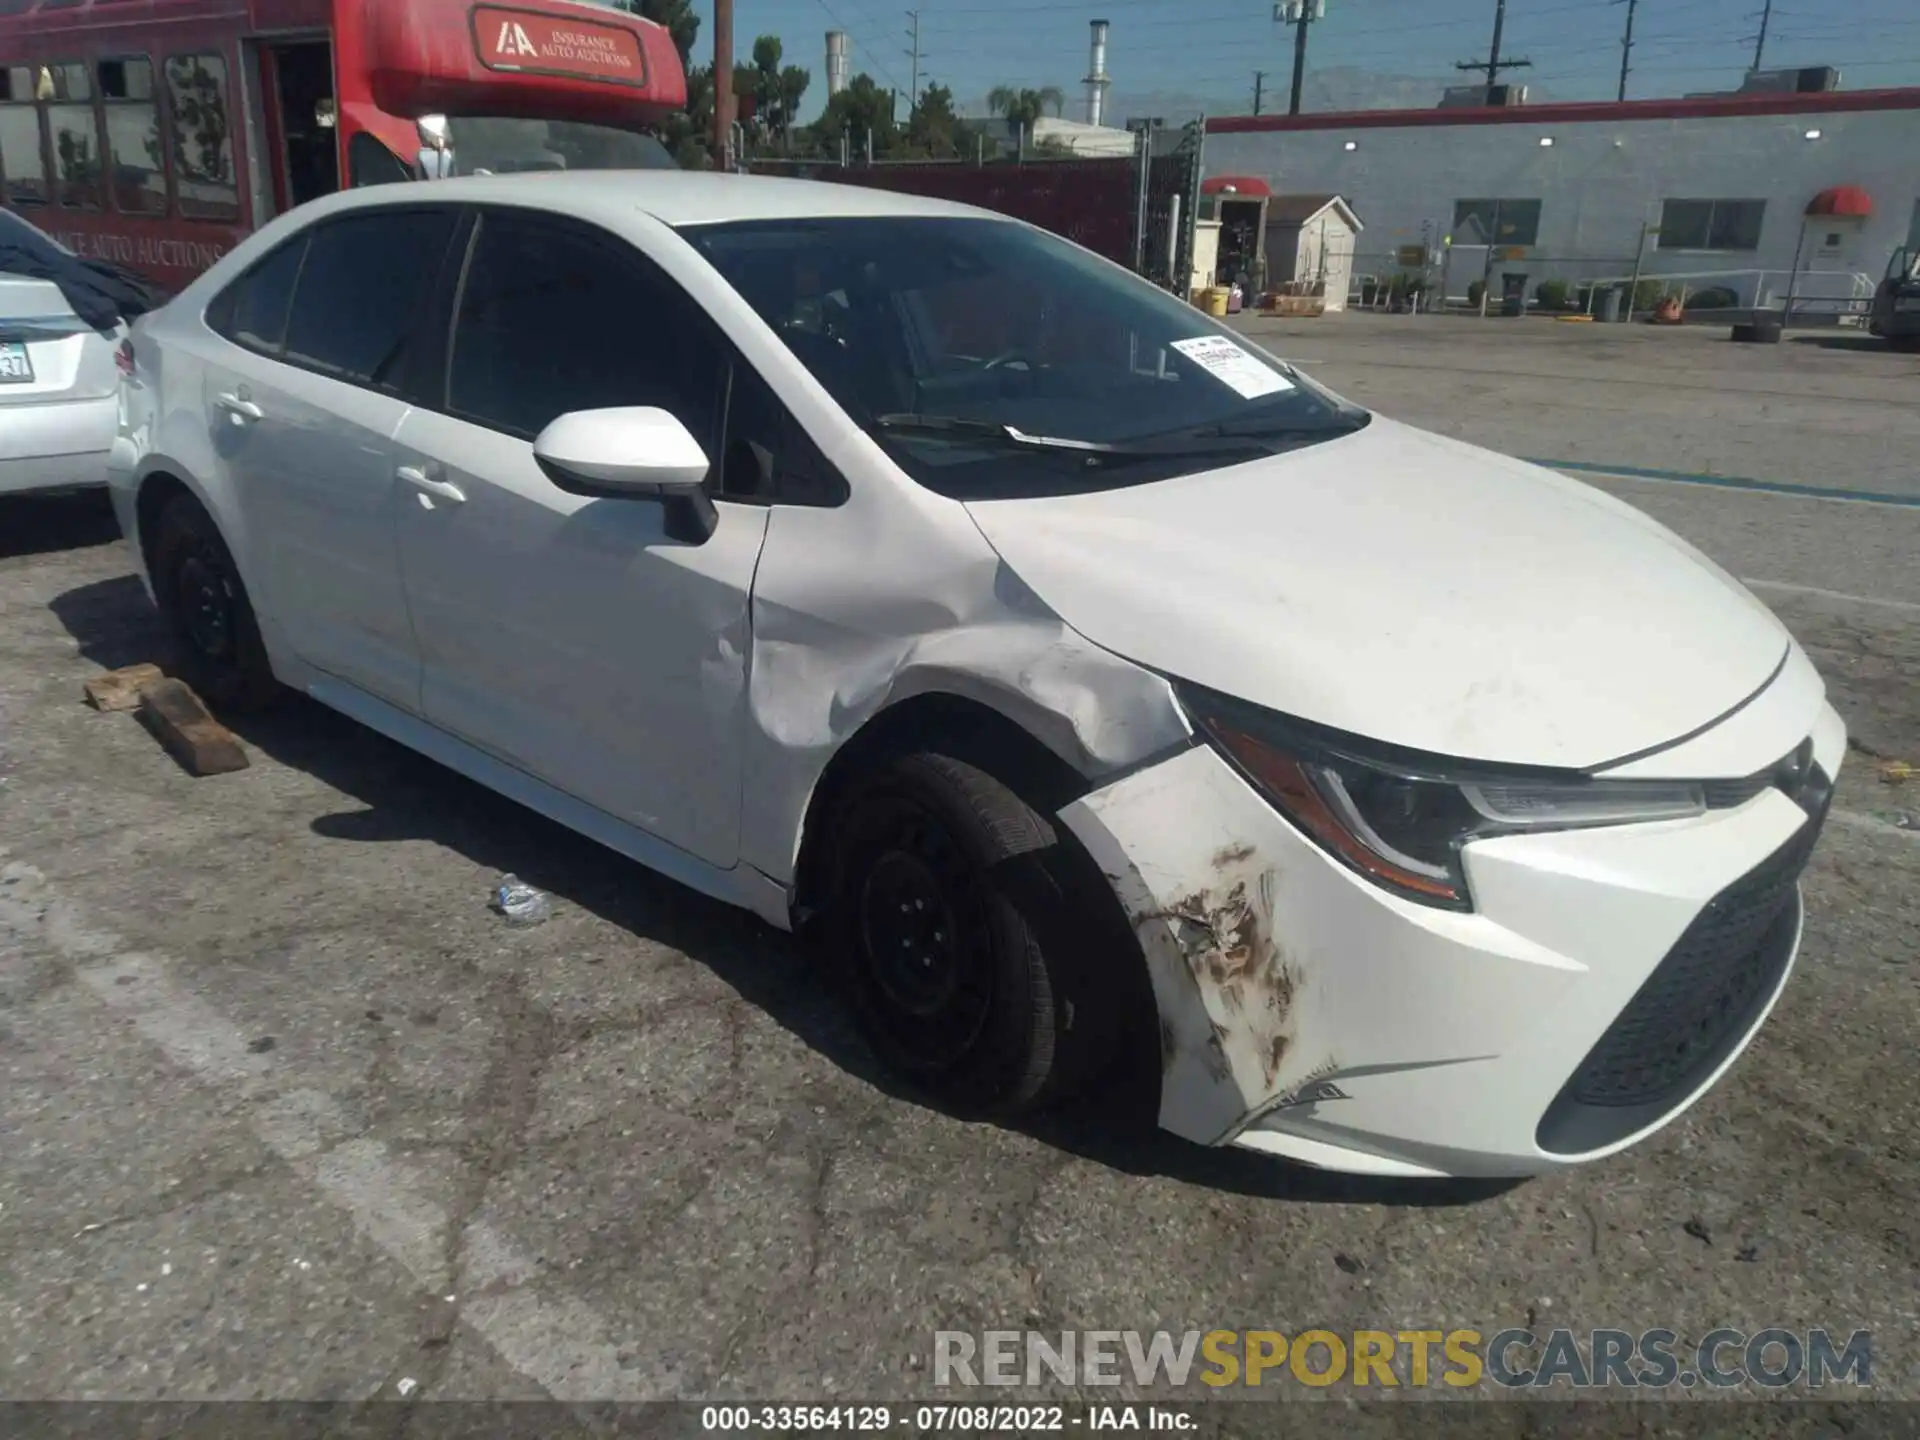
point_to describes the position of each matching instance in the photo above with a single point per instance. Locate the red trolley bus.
(157, 133)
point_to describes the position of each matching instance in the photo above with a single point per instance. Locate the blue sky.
(1173, 56)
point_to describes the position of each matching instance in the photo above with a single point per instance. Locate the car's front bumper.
(1306, 1012)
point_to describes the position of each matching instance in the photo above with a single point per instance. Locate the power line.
(913, 87)
(1626, 47)
(1760, 41)
(1494, 64)
(1300, 14)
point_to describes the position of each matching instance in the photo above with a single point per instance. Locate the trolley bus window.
(23, 168)
(68, 89)
(202, 141)
(139, 179)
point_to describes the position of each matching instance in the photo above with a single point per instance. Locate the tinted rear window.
(261, 299)
(361, 289)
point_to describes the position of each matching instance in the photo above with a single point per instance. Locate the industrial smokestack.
(1097, 81)
(838, 70)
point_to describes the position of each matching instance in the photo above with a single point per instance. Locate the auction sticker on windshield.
(1231, 365)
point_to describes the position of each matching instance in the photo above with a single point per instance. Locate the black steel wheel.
(956, 938)
(204, 602)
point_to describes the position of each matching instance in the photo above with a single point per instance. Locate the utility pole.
(1299, 14)
(1760, 41)
(1626, 46)
(1259, 89)
(1493, 64)
(913, 86)
(722, 83)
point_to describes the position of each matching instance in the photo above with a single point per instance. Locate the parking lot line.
(1840, 595)
(560, 1345)
(1732, 482)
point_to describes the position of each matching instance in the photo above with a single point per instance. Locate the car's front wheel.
(205, 605)
(969, 958)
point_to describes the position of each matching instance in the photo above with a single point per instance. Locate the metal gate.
(1167, 204)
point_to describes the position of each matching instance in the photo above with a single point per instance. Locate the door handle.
(421, 480)
(237, 407)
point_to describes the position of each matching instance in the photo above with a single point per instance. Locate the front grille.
(1696, 1006)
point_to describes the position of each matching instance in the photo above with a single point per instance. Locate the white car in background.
(58, 382)
(1078, 671)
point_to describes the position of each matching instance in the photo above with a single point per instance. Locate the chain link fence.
(1477, 277)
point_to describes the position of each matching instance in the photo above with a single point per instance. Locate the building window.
(202, 141)
(139, 178)
(1711, 224)
(1496, 222)
(23, 167)
(68, 91)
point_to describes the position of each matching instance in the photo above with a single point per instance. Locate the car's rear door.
(304, 407)
(570, 636)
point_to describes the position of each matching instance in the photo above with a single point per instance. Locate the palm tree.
(1022, 107)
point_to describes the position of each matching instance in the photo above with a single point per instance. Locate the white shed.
(1310, 244)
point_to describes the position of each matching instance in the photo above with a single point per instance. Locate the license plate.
(16, 365)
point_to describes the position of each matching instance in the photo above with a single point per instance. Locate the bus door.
(297, 119)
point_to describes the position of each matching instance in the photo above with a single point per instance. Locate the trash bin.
(1610, 305)
(1513, 293)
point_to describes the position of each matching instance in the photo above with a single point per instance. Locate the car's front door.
(574, 637)
(304, 410)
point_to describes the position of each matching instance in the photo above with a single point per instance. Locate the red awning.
(1246, 187)
(1849, 201)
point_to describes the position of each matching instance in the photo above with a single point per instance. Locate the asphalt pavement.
(287, 1113)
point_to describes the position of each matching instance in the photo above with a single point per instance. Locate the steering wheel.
(1006, 358)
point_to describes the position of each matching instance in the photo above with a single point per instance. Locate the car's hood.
(1408, 588)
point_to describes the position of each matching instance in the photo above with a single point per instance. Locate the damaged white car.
(1080, 670)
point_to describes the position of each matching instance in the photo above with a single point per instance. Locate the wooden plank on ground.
(120, 689)
(181, 723)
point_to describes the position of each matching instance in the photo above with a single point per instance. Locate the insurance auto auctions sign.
(534, 43)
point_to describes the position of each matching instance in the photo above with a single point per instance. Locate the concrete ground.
(285, 1112)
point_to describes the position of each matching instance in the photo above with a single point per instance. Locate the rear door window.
(362, 288)
(253, 310)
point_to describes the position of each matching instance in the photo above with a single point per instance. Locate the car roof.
(676, 197)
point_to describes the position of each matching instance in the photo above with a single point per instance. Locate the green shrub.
(1649, 293)
(1475, 292)
(1553, 294)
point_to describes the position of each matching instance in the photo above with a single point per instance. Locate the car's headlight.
(1400, 821)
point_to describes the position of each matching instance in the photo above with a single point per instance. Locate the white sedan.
(1082, 674)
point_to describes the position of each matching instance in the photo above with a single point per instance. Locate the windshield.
(498, 145)
(992, 359)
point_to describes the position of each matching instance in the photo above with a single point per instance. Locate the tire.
(955, 926)
(204, 603)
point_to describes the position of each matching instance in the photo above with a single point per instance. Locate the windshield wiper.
(1279, 430)
(1095, 451)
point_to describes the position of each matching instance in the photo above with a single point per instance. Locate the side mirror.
(634, 453)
